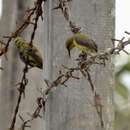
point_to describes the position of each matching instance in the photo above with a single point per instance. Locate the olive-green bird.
(30, 55)
(83, 42)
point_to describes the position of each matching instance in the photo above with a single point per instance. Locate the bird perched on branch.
(29, 54)
(83, 42)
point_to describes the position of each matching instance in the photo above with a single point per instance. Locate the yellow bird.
(83, 42)
(30, 55)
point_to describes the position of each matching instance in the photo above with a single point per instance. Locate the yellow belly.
(83, 48)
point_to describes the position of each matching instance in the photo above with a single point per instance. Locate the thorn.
(127, 32)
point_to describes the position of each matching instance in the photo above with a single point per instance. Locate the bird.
(29, 54)
(82, 41)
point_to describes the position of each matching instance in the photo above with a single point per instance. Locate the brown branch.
(37, 9)
(38, 12)
(84, 64)
(21, 89)
(90, 81)
(65, 11)
(62, 78)
(26, 22)
(36, 113)
(98, 106)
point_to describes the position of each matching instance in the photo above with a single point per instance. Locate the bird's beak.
(69, 52)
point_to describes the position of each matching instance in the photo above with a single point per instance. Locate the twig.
(21, 89)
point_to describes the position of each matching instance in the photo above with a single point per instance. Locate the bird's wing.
(36, 56)
(87, 42)
(33, 56)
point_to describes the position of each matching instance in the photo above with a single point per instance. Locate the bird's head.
(69, 44)
(19, 43)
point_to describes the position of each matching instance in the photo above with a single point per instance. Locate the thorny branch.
(84, 68)
(82, 57)
(38, 12)
(83, 65)
(35, 115)
(65, 11)
(37, 9)
(21, 90)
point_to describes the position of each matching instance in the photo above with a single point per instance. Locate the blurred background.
(122, 68)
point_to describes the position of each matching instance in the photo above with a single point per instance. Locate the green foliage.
(122, 105)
